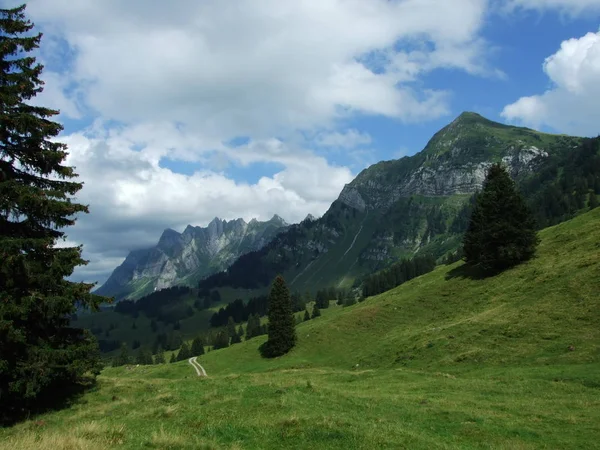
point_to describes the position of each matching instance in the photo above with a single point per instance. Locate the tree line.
(396, 274)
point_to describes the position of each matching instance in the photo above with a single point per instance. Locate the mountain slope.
(545, 311)
(420, 203)
(185, 258)
(441, 362)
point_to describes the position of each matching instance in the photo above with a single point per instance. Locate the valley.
(393, 210)
(442, 361)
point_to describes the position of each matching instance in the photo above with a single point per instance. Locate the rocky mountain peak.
(189, 256)
(169, 239)
(278, 220)
(454, 161)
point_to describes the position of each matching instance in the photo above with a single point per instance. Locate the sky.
(178, 112)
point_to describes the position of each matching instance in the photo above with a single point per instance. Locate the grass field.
(441, 362)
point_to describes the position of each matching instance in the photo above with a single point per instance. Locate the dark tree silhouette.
(281, 331)
(197, 346)
(41, 355)
(316, 311)
(306, 315)
(502, 230)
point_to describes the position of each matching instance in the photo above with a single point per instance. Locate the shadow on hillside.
(57, 398)
(465, 271)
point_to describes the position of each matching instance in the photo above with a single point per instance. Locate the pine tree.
(253, 328)
(241, 332)
(41, 355)
(123, 358)
(250, 327)
(174, 341)
(159, 358)
(173, 358)
(306, 315)
(144, 357)
(281, 331)
(184, 352)
(502, 230)
(593, 201)
(221, 340)
(197, 346)
(231, 331)
(316, 311)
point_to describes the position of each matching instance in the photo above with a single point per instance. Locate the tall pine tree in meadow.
(281, 331)
(502, 230)
(41, 354)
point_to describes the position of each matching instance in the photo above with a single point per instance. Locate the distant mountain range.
(185, 258)
(391, 210)
(421, 203)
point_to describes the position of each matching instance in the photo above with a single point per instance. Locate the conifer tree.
(306, 315)
(173, 358)
(231, 330)
(250, 327)
(221, 340)
(593, 201)
(184, 352)
(235, 339)
(159, 358)
(144, 357)
(253, 328)
(316, 311)
(241, 332)
(41, 354)
(123, 358)
(281, 330)
(502, 230)
(197, 346)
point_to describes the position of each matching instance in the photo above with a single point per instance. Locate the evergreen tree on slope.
(502, 230)
(40, 353)
(281, 330)
(197, 346)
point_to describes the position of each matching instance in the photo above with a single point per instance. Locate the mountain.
(421, 203)
(443, 361)
(185, 258)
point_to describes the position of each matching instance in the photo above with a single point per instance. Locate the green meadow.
(441, 362)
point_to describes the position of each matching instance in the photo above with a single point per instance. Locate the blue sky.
(176, 113)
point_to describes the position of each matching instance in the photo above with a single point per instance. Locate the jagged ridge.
(397, 208)
(185, 258)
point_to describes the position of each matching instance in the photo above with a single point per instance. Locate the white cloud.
(176, 80)
(568, 7)
(256, 67)
(132, 198)
(350, 138)
(571, 104)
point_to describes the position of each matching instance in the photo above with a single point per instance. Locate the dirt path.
(196, 365)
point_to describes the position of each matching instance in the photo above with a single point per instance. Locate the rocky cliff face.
(398, 208)
(455, 161)
(185, 258)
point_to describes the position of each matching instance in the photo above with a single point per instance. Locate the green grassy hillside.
(530, 315)
(441, 362)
